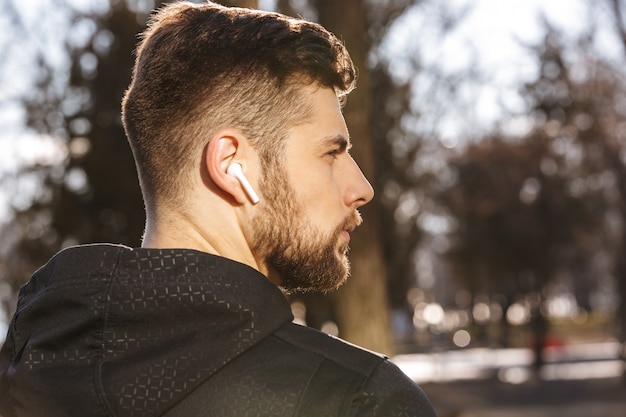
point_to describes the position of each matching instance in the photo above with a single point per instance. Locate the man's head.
(201, 68)
(215, 85)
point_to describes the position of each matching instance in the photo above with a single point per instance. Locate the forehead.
(325, 126)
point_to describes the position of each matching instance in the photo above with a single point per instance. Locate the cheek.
(322, 200)
(317, 188)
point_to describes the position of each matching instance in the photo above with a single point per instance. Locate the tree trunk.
(539, 326)
(621, 310)
(620, 268)
(361, 305)
(620, 26)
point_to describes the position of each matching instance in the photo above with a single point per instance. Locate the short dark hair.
(202, 67)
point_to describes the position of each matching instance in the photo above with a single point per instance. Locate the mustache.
(351, 222)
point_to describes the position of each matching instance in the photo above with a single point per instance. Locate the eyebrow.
(337, 140)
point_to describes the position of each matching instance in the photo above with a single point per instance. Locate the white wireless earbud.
(234, 169)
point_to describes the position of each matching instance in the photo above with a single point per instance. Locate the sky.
(489, 39)
(497, 27)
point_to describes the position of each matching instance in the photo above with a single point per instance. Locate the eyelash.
(334, 153)
(339, 150)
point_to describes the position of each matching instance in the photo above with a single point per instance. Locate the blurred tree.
(582, 104)
(532, 207)
(616, 151)
(411, 95)
(517, 224)
(92, 193)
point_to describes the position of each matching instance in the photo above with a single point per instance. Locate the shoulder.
(84, 259)
(377, 386)
(395, 395)
(344, 354)
(68, 269)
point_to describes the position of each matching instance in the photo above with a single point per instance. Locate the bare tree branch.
(620, 25)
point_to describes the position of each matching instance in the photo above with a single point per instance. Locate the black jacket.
(105, 330)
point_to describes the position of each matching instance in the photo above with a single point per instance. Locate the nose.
(358, 191)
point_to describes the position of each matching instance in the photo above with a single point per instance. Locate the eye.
(335, 147)
(333, 153)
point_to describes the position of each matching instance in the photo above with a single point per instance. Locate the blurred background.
(491, 265)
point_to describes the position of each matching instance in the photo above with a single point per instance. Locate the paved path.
(491, 398)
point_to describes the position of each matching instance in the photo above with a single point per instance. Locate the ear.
(222, 150)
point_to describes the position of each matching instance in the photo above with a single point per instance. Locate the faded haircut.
(203, 67)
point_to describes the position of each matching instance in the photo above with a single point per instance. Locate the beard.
(305, 259)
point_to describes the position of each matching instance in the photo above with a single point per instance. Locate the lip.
(349, 225)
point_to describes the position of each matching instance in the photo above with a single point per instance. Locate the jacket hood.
(123, 331)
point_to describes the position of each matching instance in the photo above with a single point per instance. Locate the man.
(235, 123)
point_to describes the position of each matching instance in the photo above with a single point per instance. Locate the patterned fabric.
(104, 330)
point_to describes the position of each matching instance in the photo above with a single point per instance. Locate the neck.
(221, 236)
(162, 234)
